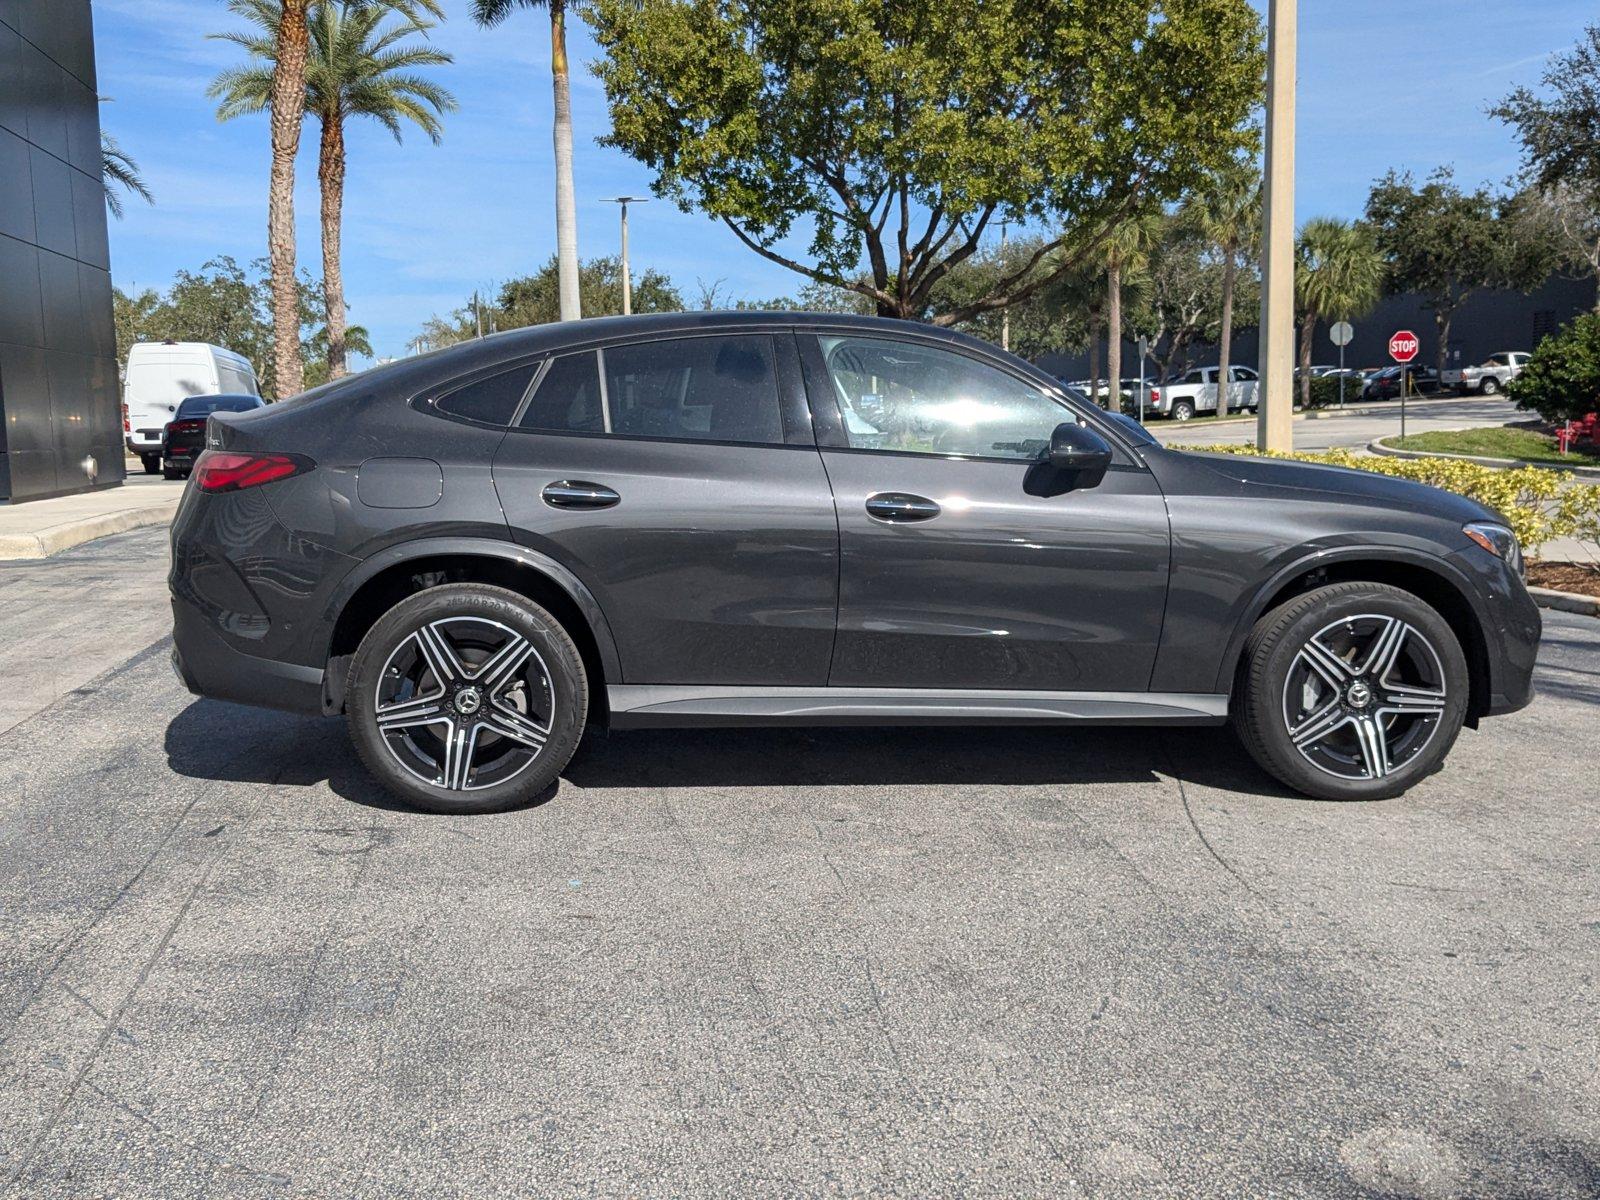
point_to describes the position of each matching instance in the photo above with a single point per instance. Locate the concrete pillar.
(1274, 424)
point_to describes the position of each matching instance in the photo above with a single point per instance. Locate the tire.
(173, 473)
(1402, 713)
(1182, 410)
(152, 463)
(1489, 387)
(467, 666)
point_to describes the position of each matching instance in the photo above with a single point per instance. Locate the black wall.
(1488, 322)
(58, 372)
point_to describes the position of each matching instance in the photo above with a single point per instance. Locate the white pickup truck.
(1196, 392)
(1488, 379)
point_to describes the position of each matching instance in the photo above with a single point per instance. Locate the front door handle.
(899, 507)
(575, 493)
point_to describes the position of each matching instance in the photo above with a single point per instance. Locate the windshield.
(204, 406)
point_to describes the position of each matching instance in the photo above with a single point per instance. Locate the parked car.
(1196, 392)
(1491, 377)
(712, 519)
(161, 375)
(185, 435)
(1385, 385)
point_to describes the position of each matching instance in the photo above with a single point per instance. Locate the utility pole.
(627, 282)
(1275, 424)
(1005, 313)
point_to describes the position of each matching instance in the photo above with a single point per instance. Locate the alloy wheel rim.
(464, 703)
(1364, 696)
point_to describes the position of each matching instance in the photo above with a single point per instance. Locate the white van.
(161, 375)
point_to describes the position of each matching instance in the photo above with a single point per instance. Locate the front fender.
(1325, 558)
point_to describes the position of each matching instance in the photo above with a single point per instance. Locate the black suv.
(720, 519)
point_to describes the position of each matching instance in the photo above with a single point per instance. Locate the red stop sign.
(1403, 346)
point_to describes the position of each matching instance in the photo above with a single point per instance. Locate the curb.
(55, 538)
(1572, 602)
(1377, 446)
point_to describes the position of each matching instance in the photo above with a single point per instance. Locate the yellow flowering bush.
(1538, 504)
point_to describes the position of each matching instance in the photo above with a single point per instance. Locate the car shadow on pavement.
(210, 739)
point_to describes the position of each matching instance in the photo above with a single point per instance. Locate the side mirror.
(1080, 450)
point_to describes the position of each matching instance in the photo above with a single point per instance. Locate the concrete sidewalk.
(40, 528)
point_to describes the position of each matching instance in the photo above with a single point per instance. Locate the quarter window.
(493, 400)
(911, 397)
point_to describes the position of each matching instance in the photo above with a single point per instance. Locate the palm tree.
(489, 13)
(1229, 215)
(355, 67)
(1125, 251)
(1338, 273)
(117, 167)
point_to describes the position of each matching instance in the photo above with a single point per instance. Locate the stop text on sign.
(1403, 346)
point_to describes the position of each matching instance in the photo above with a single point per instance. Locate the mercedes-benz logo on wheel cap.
(468, 701)
(1359, 695)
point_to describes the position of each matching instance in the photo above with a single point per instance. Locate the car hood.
(1341, 485)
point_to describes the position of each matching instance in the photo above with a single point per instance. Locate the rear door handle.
(899, 507)
(575, 493)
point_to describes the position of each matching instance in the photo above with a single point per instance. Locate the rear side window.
(493, 400)
(708, 389)
(568, 397)
(719, 389)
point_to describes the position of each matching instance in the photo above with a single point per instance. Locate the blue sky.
(1383, 83)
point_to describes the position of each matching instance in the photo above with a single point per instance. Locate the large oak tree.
(871, 144)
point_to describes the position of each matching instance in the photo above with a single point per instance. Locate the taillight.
(229, 471)
(186, 426)
(127, 422)
(1155, 395)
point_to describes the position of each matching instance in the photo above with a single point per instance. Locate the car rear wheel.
(467, 698)
(172, 473)
(151, 463)
(1351, 692)
(1182, 410)
(1490, 386)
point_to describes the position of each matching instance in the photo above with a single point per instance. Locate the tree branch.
(853, 285)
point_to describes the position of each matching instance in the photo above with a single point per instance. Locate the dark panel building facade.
(60, 413)
(1489, 321)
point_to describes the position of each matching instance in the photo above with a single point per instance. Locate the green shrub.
(1538, 504)
(1562, 379)
(1325, 391)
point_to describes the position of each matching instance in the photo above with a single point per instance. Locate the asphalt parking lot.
(1025, 962)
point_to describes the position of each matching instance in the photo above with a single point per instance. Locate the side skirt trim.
(641, 705)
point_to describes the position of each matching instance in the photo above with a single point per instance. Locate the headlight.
(1497, 540)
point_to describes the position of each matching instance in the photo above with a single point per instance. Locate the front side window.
(718, 389)
(923, 399)
(1244, 373)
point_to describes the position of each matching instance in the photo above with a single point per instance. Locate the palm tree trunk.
(330, 176)
(566, 204)
(1225, 332)
(1308, 331)
(1114, 335)
(1094, 356)
(288, 108)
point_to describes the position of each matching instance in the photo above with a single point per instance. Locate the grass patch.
(1496, 441)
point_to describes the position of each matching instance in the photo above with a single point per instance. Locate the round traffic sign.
(1341, 333)
(1403, 346)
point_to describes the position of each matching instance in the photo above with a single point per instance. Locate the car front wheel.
(1351, 692)
(467, 698)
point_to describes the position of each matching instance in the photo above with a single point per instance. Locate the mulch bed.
(1565, 577)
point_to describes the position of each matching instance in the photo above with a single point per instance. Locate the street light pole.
(1275, 423)
(627, 282)
(1005, 313)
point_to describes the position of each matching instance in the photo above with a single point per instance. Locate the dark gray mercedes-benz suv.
(718, 518)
